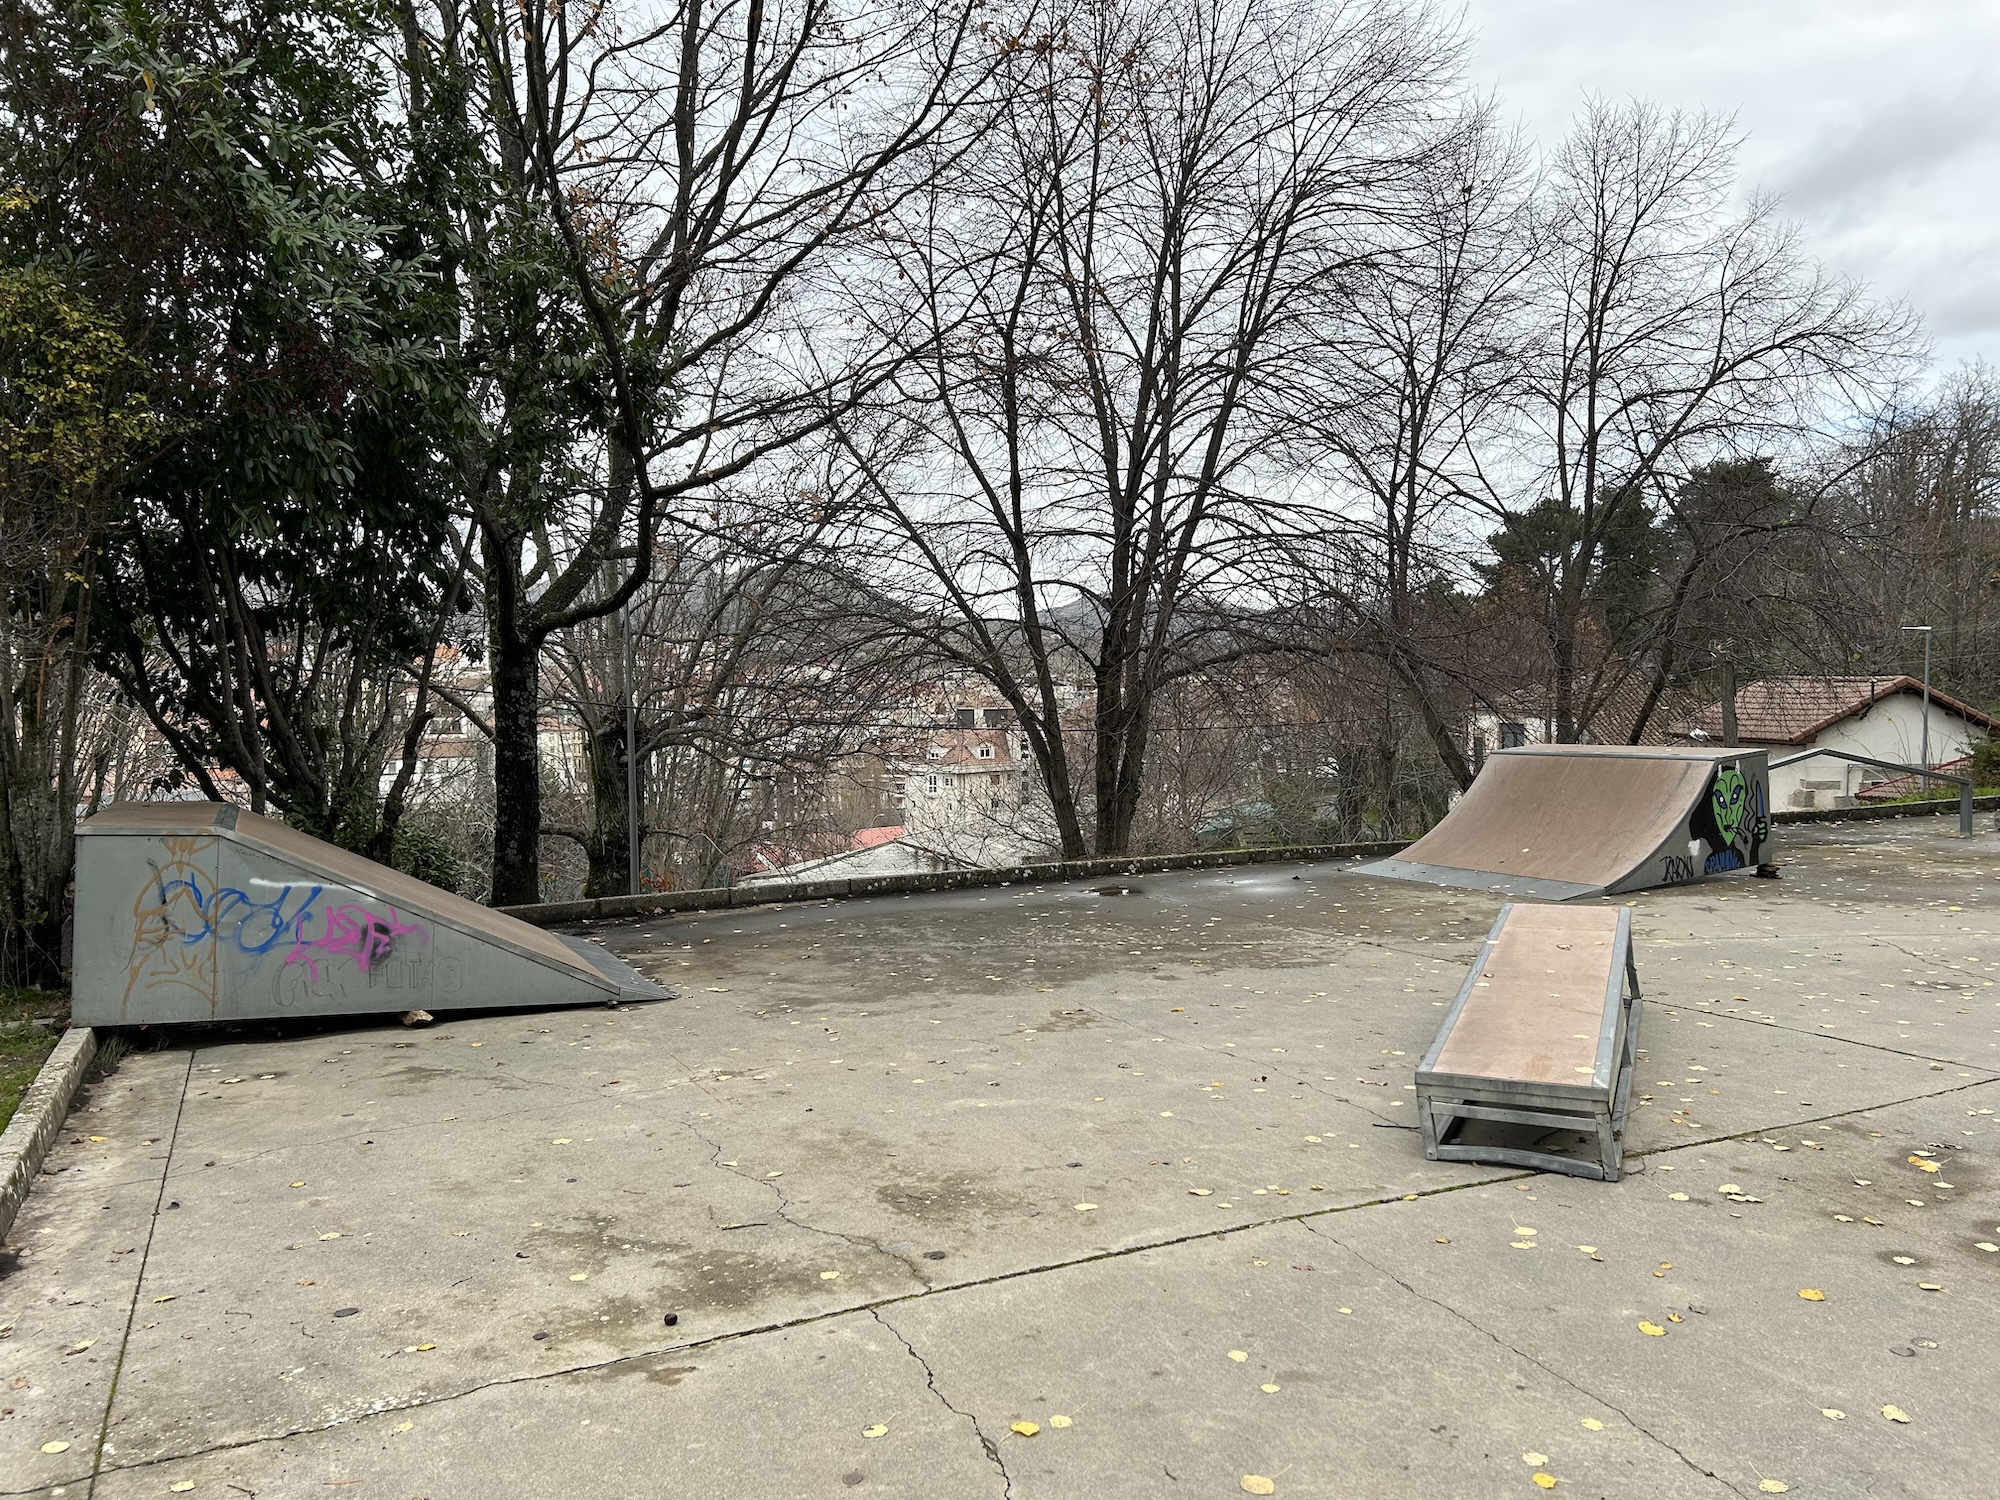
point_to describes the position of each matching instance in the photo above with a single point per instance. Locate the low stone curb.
(1863, 812)
(44, 1107)
(614, 908)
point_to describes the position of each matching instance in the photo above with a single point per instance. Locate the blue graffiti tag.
(232, 916)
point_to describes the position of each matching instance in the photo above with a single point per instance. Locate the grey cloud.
(1898, 144)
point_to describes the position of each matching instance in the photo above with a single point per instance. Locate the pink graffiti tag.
(352, 932)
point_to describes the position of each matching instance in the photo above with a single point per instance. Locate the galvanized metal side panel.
(1727, 828)
(141, 906)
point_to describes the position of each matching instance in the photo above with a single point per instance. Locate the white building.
(1880, 717)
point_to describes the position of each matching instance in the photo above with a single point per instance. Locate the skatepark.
(910, 1174)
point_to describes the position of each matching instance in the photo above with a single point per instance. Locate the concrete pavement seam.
(930, 1379)
(139, 1283)
(1522, 1354)
(872, 1308)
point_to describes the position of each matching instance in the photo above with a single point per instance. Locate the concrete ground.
(898, 1177)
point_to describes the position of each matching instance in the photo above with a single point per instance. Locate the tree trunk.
(609, 847)
(517, 771)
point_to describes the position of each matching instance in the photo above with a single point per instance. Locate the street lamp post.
(1924, 754)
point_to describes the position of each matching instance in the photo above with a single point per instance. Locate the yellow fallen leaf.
(168, 1298)
(1084, 1208)
(403, 1427)
(1653, 1330)
(1588, 1249)
(1929, 1286)
(1833, 1413)
(1675, 1318)
(1922, 1165)
(1773, 1486)
(1522, 1244)
(561, 1140)
(1257, 1484)
(1895, 1414)
(1199, 1192)
(55, 1447)
(1534, 1460)
(880, 1429)
(1812, 1294)
(333, 1235)
(1060, 1421)
(1525, 1233)
(181, 1486)
(1593, 1424)
(1729, 1187)
(1546, 1481)
(1678, 1197)
(1269, 1390)
(580, 1276)
(100, 1138)
(829, 1276)
(1238, 1355)
(1025, 1429)
(298, 1184)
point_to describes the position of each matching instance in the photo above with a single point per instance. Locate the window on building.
(997, 718)
(965, 718)
(1513, 736)
(986, 752)
(930, 783)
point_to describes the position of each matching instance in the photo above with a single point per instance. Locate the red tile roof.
(1793, 710)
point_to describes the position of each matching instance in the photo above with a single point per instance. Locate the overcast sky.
(1877, 120)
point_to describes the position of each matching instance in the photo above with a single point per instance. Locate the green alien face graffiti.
(1731, 803)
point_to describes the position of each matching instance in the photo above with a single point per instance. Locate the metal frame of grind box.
(1446, 1100)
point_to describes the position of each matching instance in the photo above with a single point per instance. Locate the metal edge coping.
(39, 1119)
(1611, 1026)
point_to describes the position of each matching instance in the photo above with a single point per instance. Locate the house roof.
(1794, 710)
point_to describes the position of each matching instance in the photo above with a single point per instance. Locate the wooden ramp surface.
(1538, 1001)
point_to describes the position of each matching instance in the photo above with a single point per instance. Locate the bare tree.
(699, 167)
(1107, 303)
(1666, 330)
(1417, 363)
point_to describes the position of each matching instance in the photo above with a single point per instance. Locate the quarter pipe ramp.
(1552, 822)
(200, 911)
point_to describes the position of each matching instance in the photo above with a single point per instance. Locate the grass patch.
(31, 1023)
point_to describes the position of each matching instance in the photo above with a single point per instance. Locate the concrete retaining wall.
(619, 908)
(613, 908)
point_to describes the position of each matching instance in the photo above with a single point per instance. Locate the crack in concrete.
(785, 1213)
(873, 1307)
(992, 1449)
(1518, 1353)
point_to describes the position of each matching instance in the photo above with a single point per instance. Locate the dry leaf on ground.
(1257, 1484)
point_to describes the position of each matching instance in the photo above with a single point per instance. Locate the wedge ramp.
(1554, 822)
(201, 911)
